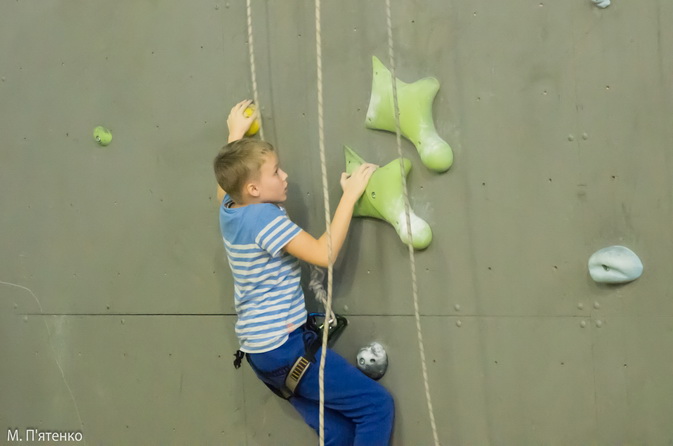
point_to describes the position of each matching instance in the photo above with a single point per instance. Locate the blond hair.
(239, 162)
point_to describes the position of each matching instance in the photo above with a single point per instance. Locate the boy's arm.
(309, 249)
(238, 124)
(305, 247)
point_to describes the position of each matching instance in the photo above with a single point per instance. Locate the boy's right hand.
(354, 185)
(237, 122)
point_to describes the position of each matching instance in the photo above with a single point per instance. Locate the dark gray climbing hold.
(615, 264)
(372, 360)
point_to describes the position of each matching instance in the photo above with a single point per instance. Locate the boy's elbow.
(324, 260)
(318, 259)
(310, 250)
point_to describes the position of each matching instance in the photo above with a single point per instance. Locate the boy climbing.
(263, 247)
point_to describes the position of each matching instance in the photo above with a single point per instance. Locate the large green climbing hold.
(384, 199)
(415, 107)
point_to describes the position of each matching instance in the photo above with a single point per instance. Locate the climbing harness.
(293, 375)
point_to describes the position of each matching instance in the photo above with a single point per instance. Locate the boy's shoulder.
(265, 224)
(265, 208)
(265, 213)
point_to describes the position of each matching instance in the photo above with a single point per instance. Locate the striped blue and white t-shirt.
(269, 300)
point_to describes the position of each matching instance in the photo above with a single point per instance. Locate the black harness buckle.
(316, 321)
(239, 355)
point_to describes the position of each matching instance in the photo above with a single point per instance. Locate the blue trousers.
(358, 410)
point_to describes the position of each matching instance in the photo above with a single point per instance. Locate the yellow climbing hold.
(254, 127)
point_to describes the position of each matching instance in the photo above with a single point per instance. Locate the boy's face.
(272, 182)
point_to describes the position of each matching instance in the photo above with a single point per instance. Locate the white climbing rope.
(317, 277)
(407, 207)
(321, 137)
(253, 71)
(325, 193)
(323, 166)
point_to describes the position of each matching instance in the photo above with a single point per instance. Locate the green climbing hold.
(384, 199)
(102, 135)
(415, 107)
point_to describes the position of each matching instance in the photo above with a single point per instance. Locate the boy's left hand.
(354, 185)
(237, 122)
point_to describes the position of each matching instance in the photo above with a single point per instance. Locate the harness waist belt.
(301, 365)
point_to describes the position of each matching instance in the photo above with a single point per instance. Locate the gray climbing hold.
(615, 264)
(373, 360)
(601, 3)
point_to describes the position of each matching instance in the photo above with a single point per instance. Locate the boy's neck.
(246, 202)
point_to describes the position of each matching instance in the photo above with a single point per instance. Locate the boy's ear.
(252, 189)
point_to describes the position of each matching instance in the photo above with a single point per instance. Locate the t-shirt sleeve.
(276, 229)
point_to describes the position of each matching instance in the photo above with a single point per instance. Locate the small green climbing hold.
(102, 135)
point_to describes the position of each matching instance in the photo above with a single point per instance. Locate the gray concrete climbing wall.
(116, 315)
